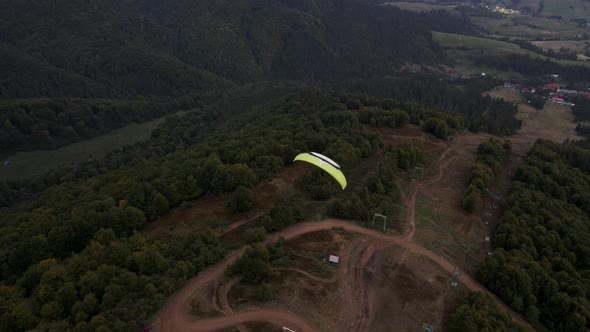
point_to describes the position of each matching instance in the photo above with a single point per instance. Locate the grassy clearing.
(462, 48)
(574, 45)
(526, 27)
(507, 94)
(549, 25)
(566, 8)
(30, 164)
(422, 7)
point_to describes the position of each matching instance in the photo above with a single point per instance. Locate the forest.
(540, 265)
(215, 150)
(480, 313)
(50, 282)
(484, 113)
(113, 49)
(49, 123)
(207, 111)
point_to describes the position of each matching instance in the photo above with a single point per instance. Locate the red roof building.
(553, 86)
(559, 100)
(587, 95)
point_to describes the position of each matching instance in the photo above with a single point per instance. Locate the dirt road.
(176, 317)
(356, 277)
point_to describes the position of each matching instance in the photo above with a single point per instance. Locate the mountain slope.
(145, 47)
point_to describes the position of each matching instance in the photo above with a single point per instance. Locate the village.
(551, 92)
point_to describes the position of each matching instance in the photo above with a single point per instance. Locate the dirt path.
(356, 277)
(240, 223)
(409, 198)
(223, 300)
(309, 275)
(175, 316)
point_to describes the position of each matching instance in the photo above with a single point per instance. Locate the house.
(334, 259)
(552, 87)
(586, 95)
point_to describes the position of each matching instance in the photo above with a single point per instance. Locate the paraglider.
(325, 163)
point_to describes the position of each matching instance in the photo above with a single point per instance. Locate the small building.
(333, 259)
(558, 100)
(552, 87)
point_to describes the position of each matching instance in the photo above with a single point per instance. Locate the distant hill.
(109, 48)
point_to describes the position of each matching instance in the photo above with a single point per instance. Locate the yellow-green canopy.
(325, 163)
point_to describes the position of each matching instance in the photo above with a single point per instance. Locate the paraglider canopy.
(325, 163)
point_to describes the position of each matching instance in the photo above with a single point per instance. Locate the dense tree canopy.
(490, 157)
(109, 48)
(480, 313)
(540, 266)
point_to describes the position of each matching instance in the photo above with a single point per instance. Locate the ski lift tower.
(384, 218)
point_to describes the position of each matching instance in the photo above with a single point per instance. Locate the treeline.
(422, 93)
(381, 191)
(490, 157)
(583, 129)
(480, 313)
(114, 284)
(439, 124)
(534, 66)
(140, 48)
(581, 109)
(52, 122)
(564, 53)
(540, 263)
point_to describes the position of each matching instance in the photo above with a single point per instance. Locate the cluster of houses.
(553, 91)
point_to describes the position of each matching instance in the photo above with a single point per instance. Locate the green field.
(26, 165)
(421, 7)
(566, 8)
(462, 48)
(574, 45)
(526, 27)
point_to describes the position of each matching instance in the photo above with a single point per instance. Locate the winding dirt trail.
(176, 317)
(356, 276)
